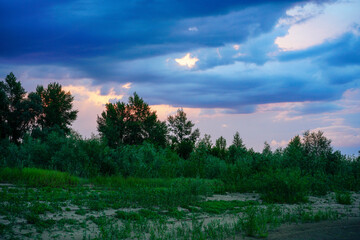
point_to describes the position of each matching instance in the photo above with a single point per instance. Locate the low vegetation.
(34, 177)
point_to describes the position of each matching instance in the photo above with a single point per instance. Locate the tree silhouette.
(131, 123)
(237, 149)
(17, 113)
(57, 108)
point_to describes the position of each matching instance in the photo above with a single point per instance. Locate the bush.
(214, 167)
(343, 198)
(319, 184)
(286, 186)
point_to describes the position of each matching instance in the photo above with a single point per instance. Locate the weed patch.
(219, 207)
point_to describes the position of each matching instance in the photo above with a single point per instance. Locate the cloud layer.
(288, 60)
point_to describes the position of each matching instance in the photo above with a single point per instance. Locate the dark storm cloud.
(237, 94)
(60, 31)
(113, 42)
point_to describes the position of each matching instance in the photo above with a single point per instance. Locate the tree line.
(36, 132)
(50, 109)
(44, 110)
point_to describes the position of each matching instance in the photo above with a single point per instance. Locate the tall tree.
(316, 144)
(237, 141)
(267, 149)
(17, 113)
(294, 153)
(318, 152)
(220, 148)
(205, 143)
(131, 123)
(237, 149)
(181, 137)
(57, 108)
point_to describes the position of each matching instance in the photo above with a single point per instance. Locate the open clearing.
(89, 212)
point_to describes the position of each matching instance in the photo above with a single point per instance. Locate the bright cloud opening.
(187, 60)
(90, 103)
(94, 96)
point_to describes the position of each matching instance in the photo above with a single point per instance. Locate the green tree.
(57, 108)
(294, 154)
(17, 112)
(267, 149)
(316, 144)
(237, 149)
(181, 136)
(205, 143)
(131, 123)
(220, 148)
(237, 141)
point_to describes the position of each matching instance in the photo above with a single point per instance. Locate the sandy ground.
(348, 228)
(345, 229)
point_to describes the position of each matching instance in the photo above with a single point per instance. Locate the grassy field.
(42, 204)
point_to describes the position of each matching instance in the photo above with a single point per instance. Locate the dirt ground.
(348, 228)
(345, 229)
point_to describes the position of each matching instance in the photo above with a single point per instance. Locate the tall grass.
(160, 192)
(200, 186)
(37, 177)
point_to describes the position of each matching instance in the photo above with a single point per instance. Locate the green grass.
(203, 186)
(175, 213)
(302, 215)
(219, 207)
(254, 222)
(131, 216)
(35, 177)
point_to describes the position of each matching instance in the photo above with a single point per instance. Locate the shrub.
(319, 184)
(214, 167)
(343, 198)
(286, 186)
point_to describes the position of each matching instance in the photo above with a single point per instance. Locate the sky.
(268, 69)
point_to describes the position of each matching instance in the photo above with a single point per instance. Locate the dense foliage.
(134, 143)
(57, 108)
(131, 123)
(17, 112)
(182, 137)
(38, 113)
